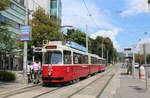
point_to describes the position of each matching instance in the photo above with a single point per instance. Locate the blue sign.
(77, 46)
(25, 33)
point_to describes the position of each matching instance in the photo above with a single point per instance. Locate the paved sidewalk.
(131, 87)
(18, 84)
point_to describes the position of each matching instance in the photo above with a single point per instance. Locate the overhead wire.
(89, 13)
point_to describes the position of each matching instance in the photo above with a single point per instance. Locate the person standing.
(29, 72)
(36, 68)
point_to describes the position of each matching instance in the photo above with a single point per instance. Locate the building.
(51, 7)
(147, 6)
(56, 9)
(15, 14)
(144, 48)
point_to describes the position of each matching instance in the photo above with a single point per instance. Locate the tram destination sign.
(25, 34)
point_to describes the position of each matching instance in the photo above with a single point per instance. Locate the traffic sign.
(25, 34)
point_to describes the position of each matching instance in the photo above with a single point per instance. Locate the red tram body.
(62, 63)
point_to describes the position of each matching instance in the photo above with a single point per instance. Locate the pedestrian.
(129, 69)
(29, 72)
(36, 68)
(17, 68)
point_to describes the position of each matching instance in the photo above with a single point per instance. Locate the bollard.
(142, 74)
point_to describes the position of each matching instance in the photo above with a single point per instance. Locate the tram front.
(52, 63)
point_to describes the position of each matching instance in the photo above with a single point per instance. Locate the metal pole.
(107, 58)
(133, 64)
(144, 46)
(25, 58)
(25, 43)
(102, 48)
(87, 39)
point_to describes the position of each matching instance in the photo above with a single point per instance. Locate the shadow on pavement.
(124, 73)
(138, 89)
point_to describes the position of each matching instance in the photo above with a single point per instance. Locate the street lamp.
(144, 47)
(66, 26)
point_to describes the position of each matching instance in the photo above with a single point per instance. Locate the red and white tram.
(62, 63)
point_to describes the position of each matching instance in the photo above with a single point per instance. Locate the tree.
(148, 58)
(77, 36)
(44, 28)
(139, 58)
(4, 4)
(107, 45)
(6, 40)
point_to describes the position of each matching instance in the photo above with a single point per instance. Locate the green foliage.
(95, 45)
(7, 76)
(76, 36)
(148, 58)
(139, 58)
(6, 40)
(4, 4)
(44, 28)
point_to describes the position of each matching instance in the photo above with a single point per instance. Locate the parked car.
(136, 65)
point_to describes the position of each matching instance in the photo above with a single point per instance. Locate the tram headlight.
(49, 73)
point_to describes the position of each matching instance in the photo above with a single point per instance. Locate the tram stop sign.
(25, 34)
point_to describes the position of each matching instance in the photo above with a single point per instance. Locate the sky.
(123, 21)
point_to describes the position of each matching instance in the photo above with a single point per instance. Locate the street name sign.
(25, 34)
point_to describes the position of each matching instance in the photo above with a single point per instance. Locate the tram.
(68, 62)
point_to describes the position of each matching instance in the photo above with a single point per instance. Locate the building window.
(17, 9)
(21, 2)
(12, 23)
(54, 4)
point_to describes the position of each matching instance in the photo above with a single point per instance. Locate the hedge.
(7, 76)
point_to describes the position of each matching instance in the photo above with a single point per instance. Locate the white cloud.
(74, 13)
(134, 7)
(108, 33)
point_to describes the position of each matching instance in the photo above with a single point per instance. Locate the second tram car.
(63, 63)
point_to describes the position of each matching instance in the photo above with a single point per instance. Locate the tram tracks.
(108, 77)
(72, 90)
(64, 92)
(32, 92)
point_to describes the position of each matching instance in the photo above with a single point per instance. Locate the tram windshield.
(54, 57)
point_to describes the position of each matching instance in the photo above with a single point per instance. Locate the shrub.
(7, 76)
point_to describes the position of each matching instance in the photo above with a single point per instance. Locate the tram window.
(46, 57)
(94, 60)
(103, 62)
(53, 58)
(67, 57)
(77, 58)
(85, 60)
(99, 61)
